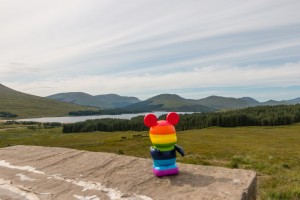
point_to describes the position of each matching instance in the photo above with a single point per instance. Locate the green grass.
(273, 152)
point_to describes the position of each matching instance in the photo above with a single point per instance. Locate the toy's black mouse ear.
(150, 120)
(173, 118)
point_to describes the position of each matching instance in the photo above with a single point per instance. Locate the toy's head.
(162, 133)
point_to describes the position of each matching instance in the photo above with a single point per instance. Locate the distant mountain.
(274, 103)
(284, 102)
(218, 102)
(102, 101)
(80, 98)
(164, 102)
(294, 101)
(117, 101)
(25, 105)
(169, 102)
(250, 101)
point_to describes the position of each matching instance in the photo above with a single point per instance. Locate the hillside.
(274, 103)
(294, 101)
(25, 105)
(102, 101)
(116, 101)
(79, 98)
(223, 102)
(219, 102)
(173, 102)
(250, 101)
(169, 102)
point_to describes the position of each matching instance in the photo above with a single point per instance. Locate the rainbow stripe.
(162, 128)
(163, 135)
(163, 138)
(165, 172)
(162, 163)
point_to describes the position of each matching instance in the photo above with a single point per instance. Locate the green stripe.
(164, 145)
(169, 148)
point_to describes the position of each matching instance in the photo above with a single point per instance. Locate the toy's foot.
(165, 172)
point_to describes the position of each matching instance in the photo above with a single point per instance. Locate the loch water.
(73, 119)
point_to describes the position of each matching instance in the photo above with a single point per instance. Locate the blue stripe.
(157, 163)
(165, 167)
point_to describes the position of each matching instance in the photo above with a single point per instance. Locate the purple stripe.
(166, 172)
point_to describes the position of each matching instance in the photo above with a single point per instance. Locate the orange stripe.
(163, 139)
(162, 130)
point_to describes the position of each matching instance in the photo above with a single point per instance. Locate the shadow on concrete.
(194, 180)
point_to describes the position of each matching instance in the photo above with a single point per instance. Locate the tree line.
(252, 116)
(7, 115)
(35, 125)
(108, 124)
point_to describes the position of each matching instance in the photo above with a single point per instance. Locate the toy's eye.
(173, 118)
(150, 120)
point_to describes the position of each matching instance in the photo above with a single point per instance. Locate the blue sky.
(193, 48)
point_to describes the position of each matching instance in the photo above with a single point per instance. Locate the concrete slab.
(33, 173)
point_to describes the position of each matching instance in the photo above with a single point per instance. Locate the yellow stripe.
(163, 139)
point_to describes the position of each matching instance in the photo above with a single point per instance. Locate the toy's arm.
(179, 149)
(154, 150)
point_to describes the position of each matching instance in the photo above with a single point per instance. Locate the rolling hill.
(173, 102)
(105, 101)
(250, 101)
(294, 101)
(169, 102)
(218, 102)
(274, 103)
(164, 102)
(25, 105)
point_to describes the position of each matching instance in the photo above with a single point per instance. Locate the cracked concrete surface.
(42, 173)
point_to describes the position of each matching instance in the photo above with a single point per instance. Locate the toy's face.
(162, 133)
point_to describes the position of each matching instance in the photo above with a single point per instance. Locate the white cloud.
(149, 85)
(111, 46)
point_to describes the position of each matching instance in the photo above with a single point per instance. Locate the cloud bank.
(143, 48)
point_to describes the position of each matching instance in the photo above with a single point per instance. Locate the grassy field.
(273, 152)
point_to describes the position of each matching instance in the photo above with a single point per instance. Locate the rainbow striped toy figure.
(163, 137)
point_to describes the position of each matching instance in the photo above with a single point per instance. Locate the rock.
(32, 172)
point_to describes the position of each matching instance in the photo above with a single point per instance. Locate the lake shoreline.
(74, 119)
